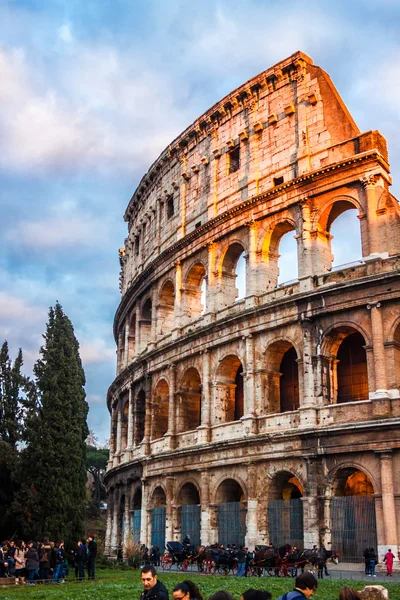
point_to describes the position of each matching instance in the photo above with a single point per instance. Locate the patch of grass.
(126, 585)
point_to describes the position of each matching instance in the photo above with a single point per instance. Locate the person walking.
(32, 562)
(389, 557)
(367, 561)
(372, 562)
(241, 558)
(92, 554)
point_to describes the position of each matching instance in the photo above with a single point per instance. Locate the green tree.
(52, 499)
(12, 384)
(96, 462)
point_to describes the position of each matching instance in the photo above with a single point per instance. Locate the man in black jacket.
(153, 589)
(92, 553)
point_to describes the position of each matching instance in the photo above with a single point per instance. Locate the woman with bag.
(20, 562)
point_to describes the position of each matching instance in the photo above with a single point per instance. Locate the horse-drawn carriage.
(176, 554)
(287, 561)
(218, 560)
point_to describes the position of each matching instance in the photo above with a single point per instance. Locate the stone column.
(126, 343)
(127, 530)
(145, 523)
(205, 532)
(129, 440)
(251, 271)
(171, 434)
(147, 426)
(170, 481)
(178, 300)
(249, 417)
(369, 184)
(109, 524)
(211, 282)
(204, 429)
(117, 455)
(305, 247)
(308, 411)
(380, 396)
(110, 461)
(252, 502)
(153, 326)
(388, 504)
(327, 527)
(138, 348)
(114, 535)
(311, 506)
(158, 225)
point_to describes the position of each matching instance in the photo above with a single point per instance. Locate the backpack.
(44, 557)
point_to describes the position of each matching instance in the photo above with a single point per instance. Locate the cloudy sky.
(91, 92)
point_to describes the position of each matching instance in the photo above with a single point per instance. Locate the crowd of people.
(46, 561)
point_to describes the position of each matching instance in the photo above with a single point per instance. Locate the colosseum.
(269, 414)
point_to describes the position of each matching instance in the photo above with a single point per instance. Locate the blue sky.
(91, 92)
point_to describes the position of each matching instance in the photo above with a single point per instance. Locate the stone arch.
(193, 292)
(219, 482)
(270, 247)
(146, 313)
(140, 417)
(335, 478)
(189, 401)
(227, 271)
(158, 503)
(394, 361)
(321, 229)
(345, 367)
(229, 390)
(283, 387)
(352, 511)
(158, 495)
(165, 312)
(285, 509)
(188, 506)
(189, 481)
(160, 409)
(121, 348)
(230, 498)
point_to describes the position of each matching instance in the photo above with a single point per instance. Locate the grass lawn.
(121, 585)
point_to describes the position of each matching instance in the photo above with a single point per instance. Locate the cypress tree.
(11, 385)
(53, 469)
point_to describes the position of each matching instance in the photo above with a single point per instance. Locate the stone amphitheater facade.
(274, 417)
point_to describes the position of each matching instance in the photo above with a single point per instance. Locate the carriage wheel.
(283, 571)
(166, 561)
(208, 566)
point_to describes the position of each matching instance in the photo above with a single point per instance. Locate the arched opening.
(231, 501)
(160, 410)
(136, 515)
(124, 421)
(158, 518)
(165, 321)
(132, 338)
(289, 388)
(285, 510)
(352, 374)
(189, 500)
(145, 325)
(347, 244)
(396, 348)
(353, 514)
(189, 407)
(282, 378)
(280, 255)
(229, 390)
(287, 261)
(140, 417)
(194, 296)
(121, 349)
(233, 275)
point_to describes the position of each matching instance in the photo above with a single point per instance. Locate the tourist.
(348, 593)
(221, 595)
(187, 590)
(252, 594)
(59, 560)
(32, 562)
(366, 556)
(44, 560)
(241, 557)
(20, 562)
(92, 554)
(81, 559)
(305, 586)
(152, 588)
(372, 562)
(389, 557)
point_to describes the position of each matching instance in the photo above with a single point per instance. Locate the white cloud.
(65, 33)
(96, 351)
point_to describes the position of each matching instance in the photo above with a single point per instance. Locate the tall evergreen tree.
(11, 386)
(53, 467)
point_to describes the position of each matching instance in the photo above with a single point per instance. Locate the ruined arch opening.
(158, 518)
(145, 324)
(132, 338)
(232, 509)
(194, 293)
(283, 378)
(160, 410)
(189, 395)
(280, 254)
(352, 373)
(285, 510)
(233, 275)
(189, 501)
(288, 270)
(229, 390)
(338, 238)
(165, 321)
(353, 514)
(140, 417)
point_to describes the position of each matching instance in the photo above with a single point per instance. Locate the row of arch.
(346, 380)
(351, 491)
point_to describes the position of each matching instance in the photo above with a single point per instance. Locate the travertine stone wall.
(294, 388)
